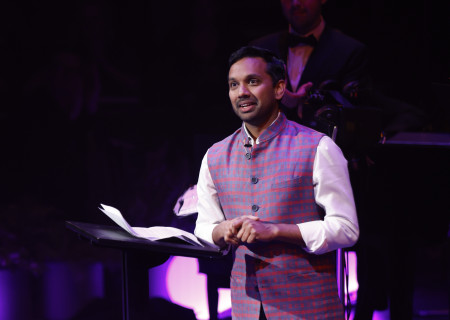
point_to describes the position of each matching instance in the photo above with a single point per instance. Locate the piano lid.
(420, 139)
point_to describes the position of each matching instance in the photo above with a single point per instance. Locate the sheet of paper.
(117, 217)
(187, 203)
(152, 233)
(157, 233)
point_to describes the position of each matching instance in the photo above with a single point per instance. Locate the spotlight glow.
(187, 287)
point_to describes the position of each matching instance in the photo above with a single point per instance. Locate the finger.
(251, 238)
(231, 232)
(246, 223)
(249, 235)
(303, 90)
(245, 232)
(308, 85)
(234, 229)
(252, 217)
(240, 233)
(236, 225)
(230, 239)
(233, 242)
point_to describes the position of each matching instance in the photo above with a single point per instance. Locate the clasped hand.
(247, 229)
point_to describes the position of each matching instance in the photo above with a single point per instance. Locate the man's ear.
(279, 89)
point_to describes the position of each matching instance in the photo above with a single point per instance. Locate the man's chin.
(243, 114)
(246, 117)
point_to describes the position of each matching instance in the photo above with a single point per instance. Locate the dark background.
(116, 102)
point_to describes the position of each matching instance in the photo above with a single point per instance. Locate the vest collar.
(273, 130)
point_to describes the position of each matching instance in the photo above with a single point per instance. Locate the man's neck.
(316, 29)
(255, 131)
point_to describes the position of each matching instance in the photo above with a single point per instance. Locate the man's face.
(252, 94)
(302, 15)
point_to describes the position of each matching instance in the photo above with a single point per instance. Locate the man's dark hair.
(275, 66)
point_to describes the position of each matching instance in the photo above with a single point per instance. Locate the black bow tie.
(294, 40)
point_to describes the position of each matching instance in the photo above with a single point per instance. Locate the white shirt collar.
(250, 139)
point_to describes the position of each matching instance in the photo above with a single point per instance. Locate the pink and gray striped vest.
(273, 180)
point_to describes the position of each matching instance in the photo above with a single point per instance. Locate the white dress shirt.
(332, 192)
(298, 56)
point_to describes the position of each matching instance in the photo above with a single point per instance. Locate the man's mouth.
(298, 11)
(246, 106)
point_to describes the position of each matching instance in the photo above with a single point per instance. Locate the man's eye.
(233, 84)
(253, 81)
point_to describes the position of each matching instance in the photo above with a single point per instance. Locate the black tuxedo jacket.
(336, 57)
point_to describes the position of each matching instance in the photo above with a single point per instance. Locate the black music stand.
(138, 255)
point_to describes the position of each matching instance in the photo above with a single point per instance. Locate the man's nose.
(243, 91)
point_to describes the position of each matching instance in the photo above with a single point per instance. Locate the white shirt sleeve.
(333, 192)
(209, 209)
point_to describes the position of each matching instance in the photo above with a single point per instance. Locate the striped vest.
(273, 180)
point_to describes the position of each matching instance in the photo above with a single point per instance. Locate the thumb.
(304, 88)
(251, 217)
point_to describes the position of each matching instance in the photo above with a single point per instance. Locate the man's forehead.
(248, 65)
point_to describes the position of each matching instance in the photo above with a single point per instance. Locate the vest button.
(255, 208)
(248, 155)
(254, 180)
